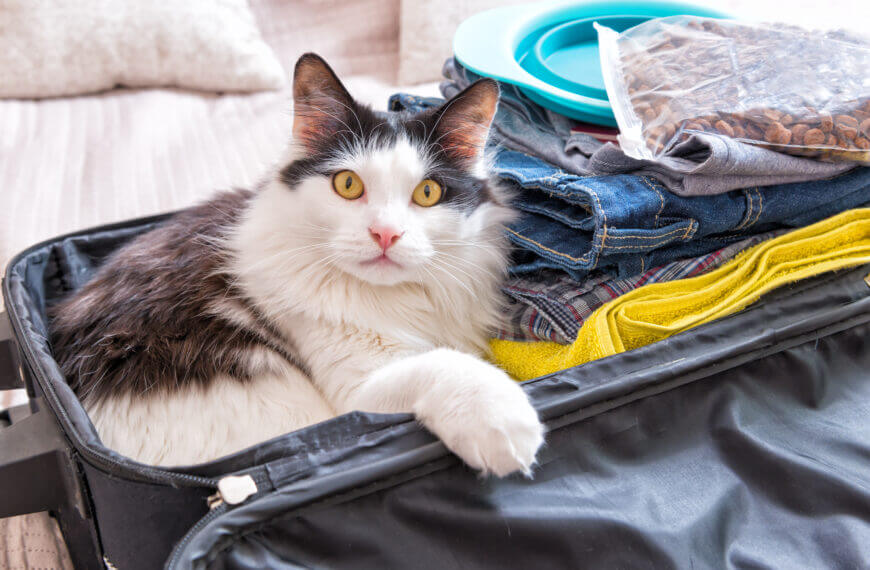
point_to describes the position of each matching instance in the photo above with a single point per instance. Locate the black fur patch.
(145, 321)
(328, 121)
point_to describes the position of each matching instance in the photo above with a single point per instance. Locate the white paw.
(484, 417)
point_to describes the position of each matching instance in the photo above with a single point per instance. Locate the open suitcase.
(743, 443)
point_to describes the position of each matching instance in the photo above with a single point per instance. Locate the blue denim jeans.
(625, 224)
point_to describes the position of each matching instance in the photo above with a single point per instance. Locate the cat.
(362, 274)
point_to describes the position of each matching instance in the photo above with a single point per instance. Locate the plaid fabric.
(553, 306)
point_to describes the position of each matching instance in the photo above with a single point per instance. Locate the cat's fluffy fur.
(260, 312)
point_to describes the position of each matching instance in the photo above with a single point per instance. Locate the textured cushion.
(66, 47)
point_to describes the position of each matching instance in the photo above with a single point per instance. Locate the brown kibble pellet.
(848, 133)
(797, 133)
(847, 121)
(724, 128)
(673, 98)
(777, 134)
(813, 137)
(772, 114)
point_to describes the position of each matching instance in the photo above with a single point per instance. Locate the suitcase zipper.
(157, 475)
(216, 511)
(232, 490)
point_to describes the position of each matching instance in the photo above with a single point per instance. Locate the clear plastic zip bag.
(805, 93)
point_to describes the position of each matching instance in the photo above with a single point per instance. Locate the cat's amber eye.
(427, 193)
(348, 184)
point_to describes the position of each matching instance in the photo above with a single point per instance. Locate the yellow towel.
(659, 310)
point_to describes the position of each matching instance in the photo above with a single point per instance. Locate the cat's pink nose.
(385, 236)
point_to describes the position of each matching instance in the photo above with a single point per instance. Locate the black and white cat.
(363, 275)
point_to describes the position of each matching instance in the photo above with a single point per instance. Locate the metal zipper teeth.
(159, 475)
(194, 530)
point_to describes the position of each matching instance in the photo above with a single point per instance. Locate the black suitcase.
(743, 443)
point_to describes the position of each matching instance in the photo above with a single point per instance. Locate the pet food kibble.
(798, 132)
(814, 137)
(777, 134)
(724, 128)
(779, 87)
(847, 133)
(847, 121)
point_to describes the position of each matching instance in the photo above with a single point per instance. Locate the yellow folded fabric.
(659, 310)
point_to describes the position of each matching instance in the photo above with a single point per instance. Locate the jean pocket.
(621, 241)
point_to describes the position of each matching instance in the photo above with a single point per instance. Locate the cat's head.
(391, 198)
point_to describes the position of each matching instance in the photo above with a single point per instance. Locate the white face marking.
(343, 226)
(307, 250)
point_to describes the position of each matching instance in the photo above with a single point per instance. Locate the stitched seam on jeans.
(661, 199)
(604, 215)
(552, 191)
(585, 256)
(750, 210)
(659, 236)
(760, 206)
(689, 228)
(610, 247)
(545, 248)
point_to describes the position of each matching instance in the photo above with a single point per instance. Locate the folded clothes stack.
(596, 224)
(658, 311)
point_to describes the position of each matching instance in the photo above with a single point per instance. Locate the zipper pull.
(232, 490)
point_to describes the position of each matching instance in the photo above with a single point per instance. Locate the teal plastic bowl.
(567, 55)
(550, 50)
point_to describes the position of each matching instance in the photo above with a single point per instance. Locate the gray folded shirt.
(703, 164)
(707, 164)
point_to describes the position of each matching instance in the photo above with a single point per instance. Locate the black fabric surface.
(744, 443)
(762, 466)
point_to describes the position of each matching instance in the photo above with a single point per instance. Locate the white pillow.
(66, 47)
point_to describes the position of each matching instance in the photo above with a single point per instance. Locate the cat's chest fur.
(340, 355)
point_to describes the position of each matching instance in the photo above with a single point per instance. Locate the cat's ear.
(462, 124)
(321, 104)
